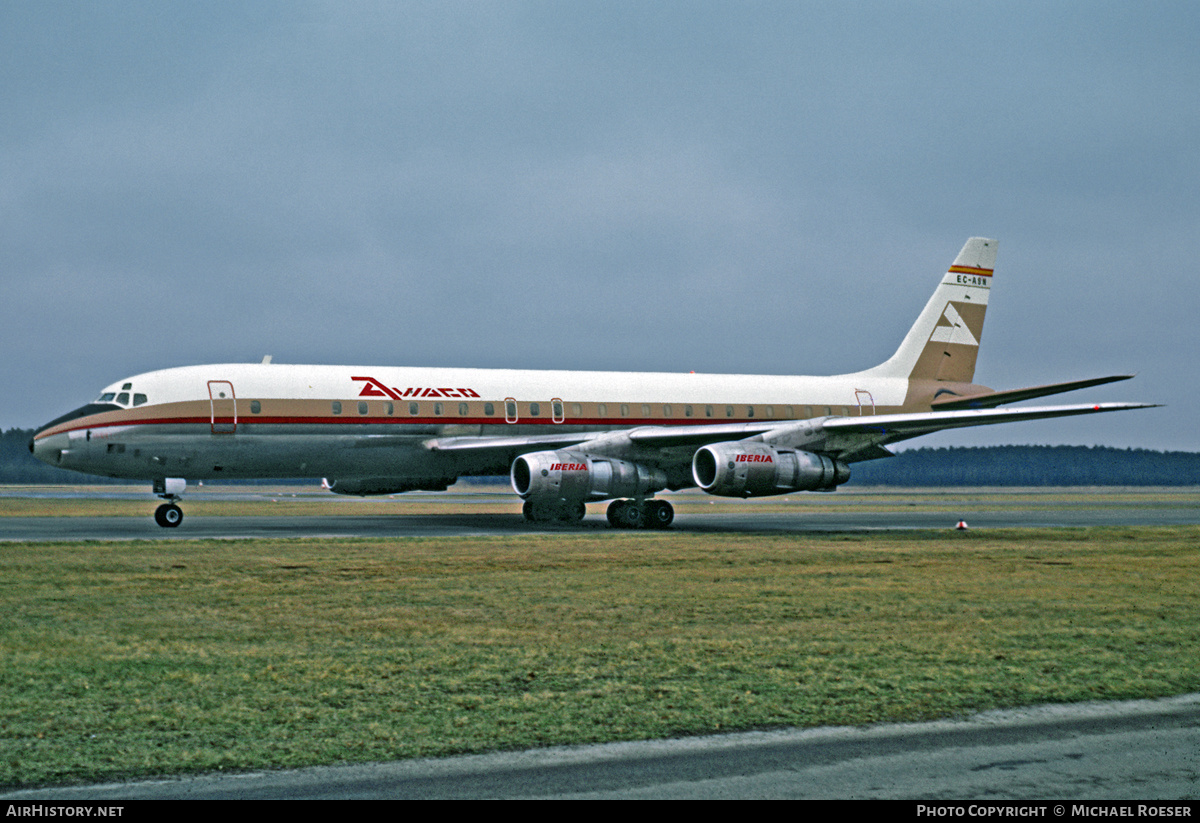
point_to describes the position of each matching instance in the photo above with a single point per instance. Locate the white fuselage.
(275, 420)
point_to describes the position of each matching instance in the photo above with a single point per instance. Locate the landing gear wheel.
(548, 512)
(633, 515)
(572, 512)
(168, 515)
(614, 512)
(627, 514)
(659, 514)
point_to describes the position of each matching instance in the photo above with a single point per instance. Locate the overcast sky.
(762, 187)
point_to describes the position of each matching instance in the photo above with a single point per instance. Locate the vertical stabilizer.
(944, 342)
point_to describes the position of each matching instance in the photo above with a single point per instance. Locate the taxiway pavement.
(463, 524)
(1134, 750)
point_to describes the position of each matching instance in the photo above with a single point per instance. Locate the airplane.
(565, 438)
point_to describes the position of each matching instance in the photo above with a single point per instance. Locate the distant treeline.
(1030, 466)
(986, 466)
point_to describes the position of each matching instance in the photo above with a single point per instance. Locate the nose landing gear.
(169, 515)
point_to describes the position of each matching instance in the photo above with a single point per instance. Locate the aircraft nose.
(49, 449)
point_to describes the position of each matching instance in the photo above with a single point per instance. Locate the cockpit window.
(123, 397)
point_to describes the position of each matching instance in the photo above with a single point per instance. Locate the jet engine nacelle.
(388, 485)
(576, 477)
(755, 470)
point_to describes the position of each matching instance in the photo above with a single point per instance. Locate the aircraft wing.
(990, 400)
(848, 438)
(859, 438)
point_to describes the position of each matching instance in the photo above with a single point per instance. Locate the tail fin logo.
(953, 330)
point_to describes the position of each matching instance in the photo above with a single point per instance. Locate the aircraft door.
(224, 406)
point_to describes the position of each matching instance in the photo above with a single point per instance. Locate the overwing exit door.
(224, 406)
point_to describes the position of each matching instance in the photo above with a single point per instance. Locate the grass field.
(156, 657)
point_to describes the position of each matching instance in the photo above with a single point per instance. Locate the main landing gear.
(622, 514)
(550, 512)
(640, 514)
(169, 515)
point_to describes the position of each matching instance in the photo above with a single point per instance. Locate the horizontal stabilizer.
(990, 400)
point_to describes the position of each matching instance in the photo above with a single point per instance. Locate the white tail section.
(944, 342)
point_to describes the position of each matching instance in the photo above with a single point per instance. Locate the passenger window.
(534, 409)
(413, 409)
(708, 411)
(255, 406)
(770, 411)
(139, 399)
(576, 410)
(489, 409)
(666, 411)
(362, 406)
(687, 411)
(602, 410)
(336, 405)
(624, 410)
(437, 408)
(749, 411)
(462, 409)
(729, 411)
(645, 410)
(390, 408)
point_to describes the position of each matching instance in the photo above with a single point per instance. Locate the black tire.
(572, 512)
(633, 516)
(168, 515)
(614, 512)
(659, 514)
